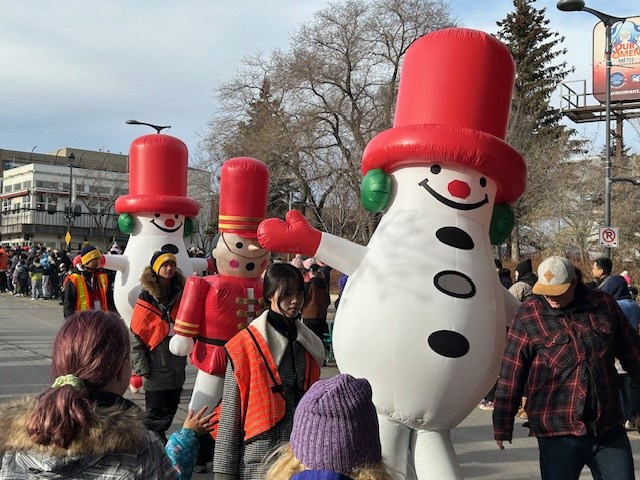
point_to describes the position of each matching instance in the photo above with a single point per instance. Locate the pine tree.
(535, 49)
(534, 126)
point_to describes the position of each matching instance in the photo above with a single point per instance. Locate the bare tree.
(326, 98)
(99, 190)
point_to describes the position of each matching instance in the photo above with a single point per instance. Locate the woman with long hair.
(81, 426)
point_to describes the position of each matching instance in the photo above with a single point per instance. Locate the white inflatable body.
(151, 232)
(423, 314)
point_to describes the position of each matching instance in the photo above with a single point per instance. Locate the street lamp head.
(570, 5)
(157, 128)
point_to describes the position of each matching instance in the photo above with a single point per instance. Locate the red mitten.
(135, 383)
(293, 235)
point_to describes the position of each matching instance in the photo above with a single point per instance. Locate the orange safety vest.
(262, 397)
(147, 322)
(83, 295)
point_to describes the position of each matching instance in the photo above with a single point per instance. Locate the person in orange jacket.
(271, 364)
(163, 374)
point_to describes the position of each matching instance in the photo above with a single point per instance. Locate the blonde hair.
(282, 465)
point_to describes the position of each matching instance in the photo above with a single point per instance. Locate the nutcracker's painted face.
(167, 223)
(461, 190)
(237, 256)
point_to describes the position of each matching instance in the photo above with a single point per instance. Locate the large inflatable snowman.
(423, 314)
(156, 212)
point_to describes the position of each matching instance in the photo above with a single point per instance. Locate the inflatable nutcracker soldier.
(216, 307)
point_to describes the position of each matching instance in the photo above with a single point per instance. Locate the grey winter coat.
(116, 446)
(159, 368)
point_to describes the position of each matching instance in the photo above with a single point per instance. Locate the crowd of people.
(571, 368)
(37, 271)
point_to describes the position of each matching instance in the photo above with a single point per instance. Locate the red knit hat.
(244, 191)
(158, 178)
(453, 109)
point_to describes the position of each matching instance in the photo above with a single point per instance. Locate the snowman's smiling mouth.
(450, 203)
(164, 229)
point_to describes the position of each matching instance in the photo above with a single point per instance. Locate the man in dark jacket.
(564, 340)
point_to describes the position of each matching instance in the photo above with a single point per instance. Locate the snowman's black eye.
(176, 216)
(157, 215)
(435, 169)
(483, 182)
(239, 245)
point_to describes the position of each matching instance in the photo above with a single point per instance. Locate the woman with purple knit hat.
(335, 435)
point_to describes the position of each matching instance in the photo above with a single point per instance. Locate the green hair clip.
(70, 380)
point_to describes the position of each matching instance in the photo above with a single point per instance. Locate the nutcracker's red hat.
(244, 192)
(158, 178)
(453, 106)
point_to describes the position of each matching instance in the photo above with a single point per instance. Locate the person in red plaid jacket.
(563, 341)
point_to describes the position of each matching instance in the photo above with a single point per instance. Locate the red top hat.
(158, 178)
(453, 108)
(244, 191)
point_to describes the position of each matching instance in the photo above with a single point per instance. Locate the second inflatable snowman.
(423, 314)
(155, 213)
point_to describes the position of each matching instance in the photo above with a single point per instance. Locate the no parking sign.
(609, 236)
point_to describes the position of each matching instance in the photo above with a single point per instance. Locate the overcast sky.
(73, 71)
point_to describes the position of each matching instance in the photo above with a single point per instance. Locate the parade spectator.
(163, 374)
(525, 279)
(342, 282)
(36, 272)
(81, 426)
(563, 340)
(629, 390)
(503, 273)
(46, 273)
(87, 285)
(334, 437)
(21, 279)
(316, 303)
(601, 270)
(276, 358)
(14, 258)
(62, 278)
(633, 290)
(4, 268)
(325, 271)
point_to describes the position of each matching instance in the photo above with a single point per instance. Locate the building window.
(46, 202)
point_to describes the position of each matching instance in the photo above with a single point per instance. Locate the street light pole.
(609, 21)
(71, 158)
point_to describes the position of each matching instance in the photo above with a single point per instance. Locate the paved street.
(27, 329)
